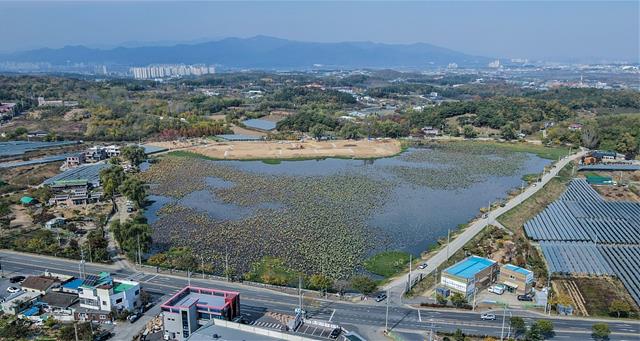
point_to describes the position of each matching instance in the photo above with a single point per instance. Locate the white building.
(103, 293)
(165, 71)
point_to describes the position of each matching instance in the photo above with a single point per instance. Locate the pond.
(406, 202)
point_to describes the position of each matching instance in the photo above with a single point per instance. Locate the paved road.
(368, 315)
(397, 286)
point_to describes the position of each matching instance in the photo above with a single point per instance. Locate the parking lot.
(510, 299)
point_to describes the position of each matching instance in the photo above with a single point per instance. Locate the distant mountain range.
(259, 52)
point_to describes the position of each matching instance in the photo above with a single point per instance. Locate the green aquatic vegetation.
(457, 164)
(319, 228)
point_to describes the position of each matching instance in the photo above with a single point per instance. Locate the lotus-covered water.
(327, 215)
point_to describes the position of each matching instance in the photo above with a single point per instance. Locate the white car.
(422, 266)
(488, 316)
(13, 290)
(496, 289)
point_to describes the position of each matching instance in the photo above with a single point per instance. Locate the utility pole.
(473, 307)
(448, 241)
(226, 262)
(202, 265)
(504, 313)
(139, 254)
(386, 318)
(409, 279)
(189, 276)
(75, 330)
(300, 292)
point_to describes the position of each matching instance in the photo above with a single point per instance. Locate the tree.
(134, 154)
(458, 335)
(518, 325)
(97, 246)
(349, 131)
(589, 137)
(545, 327)
(458, 300)
(600, 331)
(318, 130)
(508, 132)
(135, 190)
(441, 299)
(627, 145)
(320, 282)
(363, 284)
(111, 179)
(619, 307)
(533, 334)
(468, 131)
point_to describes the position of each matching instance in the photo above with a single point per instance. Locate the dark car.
(134, 317)
(103, 336)
(528, 298)
(335, 333)
(16, 279)
(381, 297)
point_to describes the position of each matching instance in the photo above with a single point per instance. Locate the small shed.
(27, 200)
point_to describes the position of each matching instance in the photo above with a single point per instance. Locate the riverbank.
(286, 150)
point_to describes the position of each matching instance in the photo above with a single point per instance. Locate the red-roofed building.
(185, 312)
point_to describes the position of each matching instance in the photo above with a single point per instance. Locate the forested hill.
(259, 52)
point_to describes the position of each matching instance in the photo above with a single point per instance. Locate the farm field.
(327, 215)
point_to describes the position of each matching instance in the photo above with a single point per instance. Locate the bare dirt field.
(245, 131)
(287, 149)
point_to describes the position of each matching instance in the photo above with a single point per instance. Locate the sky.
(537, 30)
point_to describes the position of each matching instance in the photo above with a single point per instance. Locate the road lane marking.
(330, 318)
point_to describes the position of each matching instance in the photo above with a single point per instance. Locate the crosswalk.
(264, 324)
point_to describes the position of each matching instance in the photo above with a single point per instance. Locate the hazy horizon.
(555, 31)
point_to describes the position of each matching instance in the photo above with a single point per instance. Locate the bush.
(600, 331)
(363, 284)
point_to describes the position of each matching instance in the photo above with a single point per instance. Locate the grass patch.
(515, 218)
(599, 292)
(387, 263)
(530, 178)
(272, 161)
(188, 154)
(272, 270)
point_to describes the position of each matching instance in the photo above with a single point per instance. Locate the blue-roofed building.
(470, 273)
(260, 124)
(72, 286)
(516, 279)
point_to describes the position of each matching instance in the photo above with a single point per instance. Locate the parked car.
(381, 297)
(422, 266)
(12, 290)
(105, 335)
(134, 317)
(497, 289)
(335, 333)
(525, 298)
(16, 279)
(488, 316)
